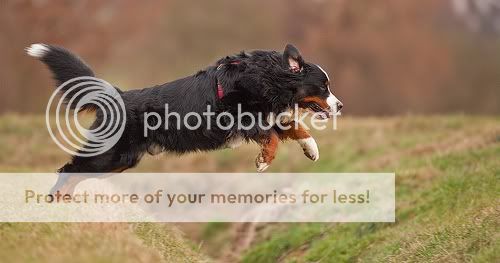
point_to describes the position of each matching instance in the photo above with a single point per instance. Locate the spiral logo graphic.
(86, 93)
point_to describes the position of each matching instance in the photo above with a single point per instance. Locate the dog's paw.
(260, 163)
(310, 148)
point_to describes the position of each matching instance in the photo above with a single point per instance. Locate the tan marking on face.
(321, 102)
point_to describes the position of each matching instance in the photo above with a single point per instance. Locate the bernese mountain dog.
(259, 81)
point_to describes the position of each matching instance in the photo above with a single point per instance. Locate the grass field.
(447, 199)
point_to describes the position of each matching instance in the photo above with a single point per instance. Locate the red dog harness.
(220, 89)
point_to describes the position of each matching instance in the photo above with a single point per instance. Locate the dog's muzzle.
(334, 104)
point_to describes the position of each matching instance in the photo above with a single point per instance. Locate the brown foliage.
(387, 57)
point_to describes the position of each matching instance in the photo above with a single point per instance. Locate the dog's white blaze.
(332, 102)
(37, 50)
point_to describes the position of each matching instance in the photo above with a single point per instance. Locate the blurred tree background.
(386, 57)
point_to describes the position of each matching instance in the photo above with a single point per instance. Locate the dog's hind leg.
(268, 147)
(81, 168)
(301, 135)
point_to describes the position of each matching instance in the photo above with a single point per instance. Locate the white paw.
(261, 164)
(310, 148)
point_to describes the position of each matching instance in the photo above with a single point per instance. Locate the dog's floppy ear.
(293, 59)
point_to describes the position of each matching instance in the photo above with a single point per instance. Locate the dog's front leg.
(301, 135)
(268, 146)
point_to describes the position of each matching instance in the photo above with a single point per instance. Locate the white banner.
(198, 197)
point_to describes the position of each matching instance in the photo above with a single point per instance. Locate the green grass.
(168, 242)
(295, 236)
(447, 202)
(56, 242)
(211, 229)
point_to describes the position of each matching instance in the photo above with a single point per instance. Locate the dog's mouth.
(319, 112)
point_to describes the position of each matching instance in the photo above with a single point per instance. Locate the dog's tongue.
(322, 115)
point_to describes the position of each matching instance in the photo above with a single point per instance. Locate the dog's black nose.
(339, 106)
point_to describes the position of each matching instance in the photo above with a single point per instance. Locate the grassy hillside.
(447, 173)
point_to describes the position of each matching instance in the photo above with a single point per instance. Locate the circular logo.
(86, 93)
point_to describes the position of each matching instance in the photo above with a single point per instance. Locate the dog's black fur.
(261, 81)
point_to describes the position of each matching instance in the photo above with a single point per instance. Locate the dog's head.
(315, 93)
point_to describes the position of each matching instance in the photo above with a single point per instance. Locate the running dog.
(260, 82)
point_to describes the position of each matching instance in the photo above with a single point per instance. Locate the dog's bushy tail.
(64, 66)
